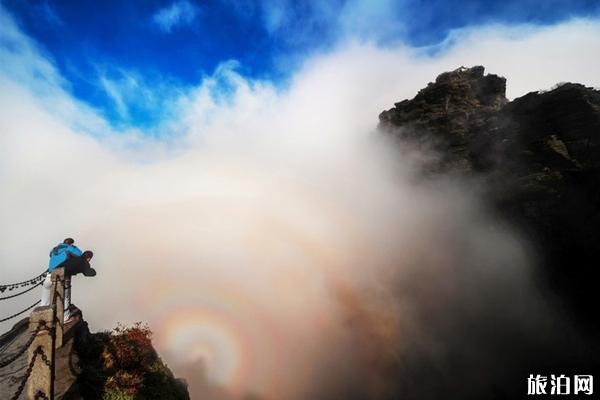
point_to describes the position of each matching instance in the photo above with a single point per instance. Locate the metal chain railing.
(32, 281)
(18, 354)
(39, 351)
(41, 395)
(61, 289)
(23, 292)
(21, 312)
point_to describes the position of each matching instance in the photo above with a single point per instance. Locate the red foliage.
(132, 346)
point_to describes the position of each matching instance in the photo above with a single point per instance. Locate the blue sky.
(130, 59)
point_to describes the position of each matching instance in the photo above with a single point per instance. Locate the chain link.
(45, 358)
(27, 373)
(38, 351)
(21, 312)
(12, 358)
(17, 285)
(41, 395)
(23, 292)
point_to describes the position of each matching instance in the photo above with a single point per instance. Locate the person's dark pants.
(78, 265)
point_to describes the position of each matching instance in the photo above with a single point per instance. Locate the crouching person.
(66, 255)
(58, 255)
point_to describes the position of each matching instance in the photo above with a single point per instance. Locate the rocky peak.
(537, 158)
(450, 109)
(470, 83)
(463, 90)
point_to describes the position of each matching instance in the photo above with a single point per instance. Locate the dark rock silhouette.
(537, 158)
(535, 162)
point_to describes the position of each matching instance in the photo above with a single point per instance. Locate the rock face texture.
(538, 158)
(448, 114)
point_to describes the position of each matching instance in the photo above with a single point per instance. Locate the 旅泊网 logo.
(560, 384)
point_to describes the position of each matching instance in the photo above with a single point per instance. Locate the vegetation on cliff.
(122, 364)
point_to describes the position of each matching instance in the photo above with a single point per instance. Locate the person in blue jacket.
(66, 255)
(60, 253)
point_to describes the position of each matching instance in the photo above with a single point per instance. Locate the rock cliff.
(537, 158)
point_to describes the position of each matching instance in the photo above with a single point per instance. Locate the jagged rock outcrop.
(448, 113)
(538, 157)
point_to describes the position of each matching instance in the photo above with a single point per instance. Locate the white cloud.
(140, 99)
(327, 21)
(179, 13)
(114, 93)
(247, 238)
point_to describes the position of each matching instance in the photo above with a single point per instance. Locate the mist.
(275, 242)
